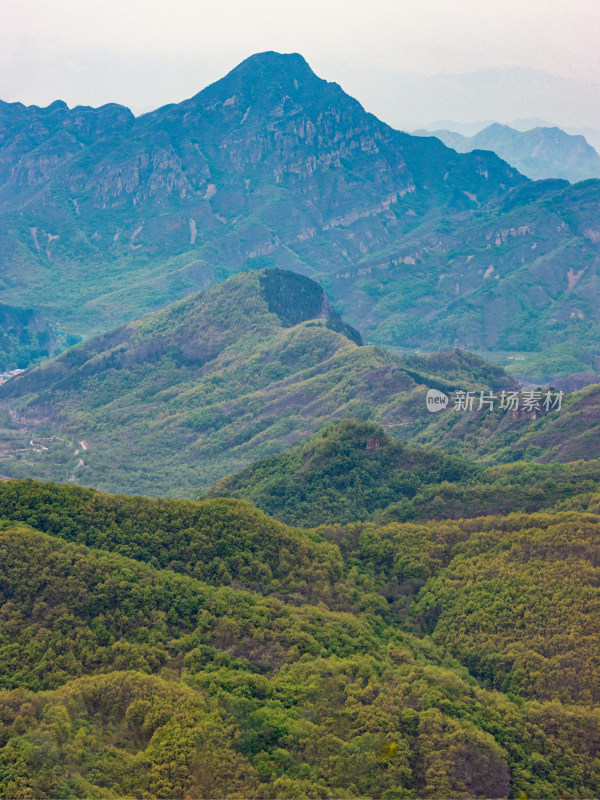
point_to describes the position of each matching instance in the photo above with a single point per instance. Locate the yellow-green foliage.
(220, 541)
(352, 470)
(143, 653)
(116, 735)
(519, 604)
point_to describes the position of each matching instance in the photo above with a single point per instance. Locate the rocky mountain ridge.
(107, 216)
(271, 162)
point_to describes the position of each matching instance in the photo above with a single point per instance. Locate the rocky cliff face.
(295, 299)
(271, 122)
(270, 162)
(36, 142)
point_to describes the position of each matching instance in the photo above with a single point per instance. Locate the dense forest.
(352, 470)
(27, 338)
(164, 648)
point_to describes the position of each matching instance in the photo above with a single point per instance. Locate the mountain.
(27, 338)
(538, 153)
(107, 216)
(188, 395)
(164, 648)
(498, 281)
(270, 163)
(353, 470)
(184, 396)
(568, 366)
(341, 474)
(467, 129)
(591, 135)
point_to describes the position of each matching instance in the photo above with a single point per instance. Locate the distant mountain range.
(538, 153)
(591, 135)
(106, 216)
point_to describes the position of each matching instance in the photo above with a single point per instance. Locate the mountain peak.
(289, 71)
(271, 60)
(295, 298)
(264, 77)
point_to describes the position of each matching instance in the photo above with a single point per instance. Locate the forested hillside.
(303, 584)
(166, 648)
(495, 437)
(179, 399)
(27, 338)
(353, 470)
(170, 403)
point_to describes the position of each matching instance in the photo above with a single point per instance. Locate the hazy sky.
(145, 53)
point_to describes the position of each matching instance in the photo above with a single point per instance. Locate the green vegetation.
(514, 598)
(353, 471)
(173, 402)
(567, 358)
(170, 404)
(143, 652)
(26, 338)
(496, 437)
(409, 622)
(220, 541)
(519, 602)
(345, 472)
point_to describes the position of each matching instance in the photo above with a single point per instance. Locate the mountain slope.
(341, 474)
(495, 280)
(479, 602)
(108, 216)
(270, 161)
(538, 153)
(353, 471)
(493, 436)
(26, 338)
(121, 677)
(218, 541)
(182, 397)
